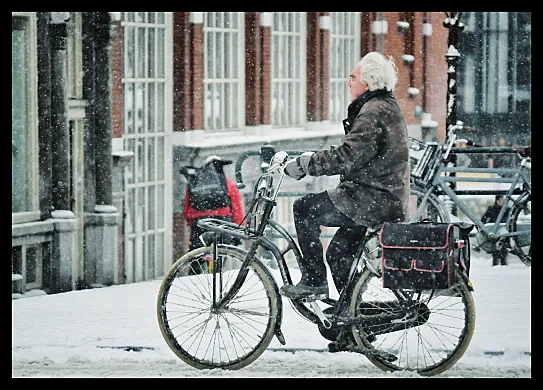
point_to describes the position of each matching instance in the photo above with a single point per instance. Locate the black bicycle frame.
(259, 240)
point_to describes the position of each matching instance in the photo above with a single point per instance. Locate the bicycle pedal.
(314, 297)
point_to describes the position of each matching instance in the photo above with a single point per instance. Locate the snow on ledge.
(104, 209)
(62, 214)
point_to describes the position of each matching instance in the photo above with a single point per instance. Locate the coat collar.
(356, 105)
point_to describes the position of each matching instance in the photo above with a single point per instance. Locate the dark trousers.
(310, 213)
(499, 257)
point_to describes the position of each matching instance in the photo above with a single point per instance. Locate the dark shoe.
(347, 343)
(303, 291)
(336, 346)
(344, 343)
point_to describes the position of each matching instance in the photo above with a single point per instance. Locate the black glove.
(293, 169)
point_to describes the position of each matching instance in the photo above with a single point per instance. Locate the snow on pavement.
(113, 332)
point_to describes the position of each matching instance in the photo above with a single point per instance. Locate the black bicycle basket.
(424, 163)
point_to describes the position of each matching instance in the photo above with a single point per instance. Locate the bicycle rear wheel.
(230, 337)
(429, 344)
(521, 220)
(434, 209)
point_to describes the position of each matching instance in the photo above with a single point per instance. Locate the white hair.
(378, 72)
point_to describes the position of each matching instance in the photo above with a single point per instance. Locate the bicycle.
(227, 318)
(430, 178)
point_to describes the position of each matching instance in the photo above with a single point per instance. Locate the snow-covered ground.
(113, 332)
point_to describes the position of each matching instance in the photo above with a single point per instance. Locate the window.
(496, 51)
(288, 69)
(224, 69)
(495, 84)
(147, 77)
(522, 80)
(344, 54)
(24, 125)
(494, 76)
(27, 261)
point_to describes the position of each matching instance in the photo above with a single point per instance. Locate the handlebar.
(243, 156)
(264, 150)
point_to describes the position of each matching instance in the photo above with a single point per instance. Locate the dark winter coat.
(372, 161)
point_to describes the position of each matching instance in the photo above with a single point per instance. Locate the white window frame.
(142, 179)
(226, 100)
(32, 112)
(345, 35)
(293, 113)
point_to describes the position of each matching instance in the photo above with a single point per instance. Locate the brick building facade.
(183, 86)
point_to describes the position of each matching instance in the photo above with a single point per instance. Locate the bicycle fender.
(467, 281)
(279, 319)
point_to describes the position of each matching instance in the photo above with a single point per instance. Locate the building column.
(60, 145)
(44, 117)
(89, 77)
(102, 107)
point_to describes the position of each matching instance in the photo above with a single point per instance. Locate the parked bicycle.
(227, 318)
(430, 178)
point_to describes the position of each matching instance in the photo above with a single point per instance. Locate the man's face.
(356, 87)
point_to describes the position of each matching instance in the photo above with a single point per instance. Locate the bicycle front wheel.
(431, 342)
(229, 337)
(521, 220)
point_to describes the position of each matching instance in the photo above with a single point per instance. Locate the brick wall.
(188, 93)
(313, 68)
(182, 98)
(197, 82)
(252, 69)
(266, 75)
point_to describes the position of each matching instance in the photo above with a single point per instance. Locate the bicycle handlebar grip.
(239, 179)
(467, 128)
(524, 151)
(471, 143)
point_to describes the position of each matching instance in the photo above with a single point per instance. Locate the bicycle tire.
(519, 216)
(198, 317)
(418, 335)
(436, 210)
